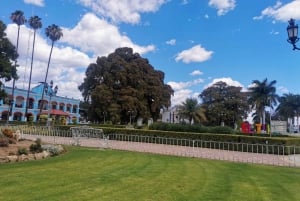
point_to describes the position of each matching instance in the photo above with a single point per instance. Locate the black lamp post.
(131, 115)
(50, 92)
(292, 30)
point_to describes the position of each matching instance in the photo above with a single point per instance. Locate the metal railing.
(277, 155)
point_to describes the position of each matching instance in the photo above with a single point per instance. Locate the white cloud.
(181, 85)
(182, 91)
(184, 2)
(196, 72)
(180, 96)
(123, 10)
(66, 67)
(229, 81)
(281, 12)
(35, 2)
(98, 37)
(78, 47)
(223, 6)
(274, 32)
(171, 42)
(195, 54)
(283, 90)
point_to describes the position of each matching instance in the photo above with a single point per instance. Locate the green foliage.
(22, 151)
(30, 118)
(121, 82)
(224, 104)
(43, 118)
(54, 150)
(262, 94)
(8, 54)
(196, 128)
(192, 110)
(289, 106)
(37, 147)
(221, 130)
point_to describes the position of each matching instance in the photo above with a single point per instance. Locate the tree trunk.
(10, 112)
(42, 104)
(29, 84)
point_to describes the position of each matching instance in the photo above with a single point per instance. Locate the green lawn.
(90, 174)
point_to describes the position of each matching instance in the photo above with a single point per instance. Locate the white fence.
(277, 155)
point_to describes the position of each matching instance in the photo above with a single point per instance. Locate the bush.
(54, 150)
(37, 147)
(221, 130)
(22, 151)
(43, 118)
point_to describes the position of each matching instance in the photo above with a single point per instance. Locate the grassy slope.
(87, 174)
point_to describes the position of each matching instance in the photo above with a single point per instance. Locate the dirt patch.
(12, 149)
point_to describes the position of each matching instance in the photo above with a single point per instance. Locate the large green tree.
(192, 110)
(224, 104)
(124, 84)
(8, 55)
(262, 94)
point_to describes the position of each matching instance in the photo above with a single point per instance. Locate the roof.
(57, 112)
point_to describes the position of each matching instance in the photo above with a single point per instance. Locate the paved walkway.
(185, 151)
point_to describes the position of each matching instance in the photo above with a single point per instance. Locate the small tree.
(192, 110)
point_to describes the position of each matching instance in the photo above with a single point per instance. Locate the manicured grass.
(89, 174)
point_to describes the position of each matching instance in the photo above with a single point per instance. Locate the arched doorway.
(4, 115)
(17, 116)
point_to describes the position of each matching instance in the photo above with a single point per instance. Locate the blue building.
(55, 106)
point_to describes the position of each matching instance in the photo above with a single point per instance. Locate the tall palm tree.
(53, 32)
(192, 110)
(18, 18)
(35, 23)
(262, 94)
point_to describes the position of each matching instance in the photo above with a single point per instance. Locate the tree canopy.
(8, 55)
(262, 94)
(224, 103)
(123, 84)
(192, 110)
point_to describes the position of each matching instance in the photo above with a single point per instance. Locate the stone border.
(23, 157)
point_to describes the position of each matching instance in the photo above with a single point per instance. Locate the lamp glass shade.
(292, 30)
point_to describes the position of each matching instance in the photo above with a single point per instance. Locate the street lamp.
(104, 114)
(292, 30)
(131, 114)
(50, 92)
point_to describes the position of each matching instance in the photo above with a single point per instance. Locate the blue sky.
(194, 42)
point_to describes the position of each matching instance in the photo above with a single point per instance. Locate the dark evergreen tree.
(124, 84)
